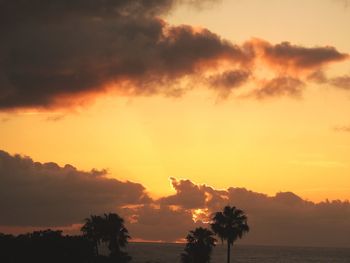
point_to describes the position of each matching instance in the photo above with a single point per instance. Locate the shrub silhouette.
(200, 243)
(45, 246)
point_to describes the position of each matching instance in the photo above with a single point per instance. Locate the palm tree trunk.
(228, 251)
(96, 249)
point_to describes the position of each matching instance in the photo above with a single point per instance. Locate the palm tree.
(200, 243)
(230, 225)
(92, 230)
(108, 228)
(115, 233)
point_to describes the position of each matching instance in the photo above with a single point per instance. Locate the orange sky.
(270, 145)
(266, 146)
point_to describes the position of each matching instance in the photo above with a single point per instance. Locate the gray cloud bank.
(284, 219)
(57, 52)
(45, 195)
(51, 50)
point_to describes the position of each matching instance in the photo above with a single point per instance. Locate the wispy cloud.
(342, 82)
(345, 3)
(319, 163)
(342, 128)
(280, 86)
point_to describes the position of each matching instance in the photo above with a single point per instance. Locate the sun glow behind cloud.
(37, 187)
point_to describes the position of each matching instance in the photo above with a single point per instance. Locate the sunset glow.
(191, 104)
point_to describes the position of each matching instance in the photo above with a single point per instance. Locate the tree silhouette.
(114, 233)
(230, 224)
(92, 230)
(200, 243)
(45, 246)
(110, 229)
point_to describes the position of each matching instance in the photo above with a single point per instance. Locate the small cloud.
(345, 3)
(342, 82)
(318, 76)
(281, 86)
(342, 128)
(5, 119)
(294, 58)
(227, 81)
(55, 118)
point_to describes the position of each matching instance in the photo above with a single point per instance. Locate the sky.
(143, 107)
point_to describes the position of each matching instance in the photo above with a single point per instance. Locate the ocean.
(170, 253)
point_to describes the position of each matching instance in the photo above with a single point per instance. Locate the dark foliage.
(200, 243)
(230, 224)
(50, 246)
(45, 246)
(109, 229)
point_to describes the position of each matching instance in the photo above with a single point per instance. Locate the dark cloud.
(64, 52)
(196, 199)
(40, 195)
(16, 12)
(286, 219)
(281, 86)
(227, 81)
(342, 82)
(294, 57)
(283, 219)
(318, 76)
(159, 223)
(53, 52)
(294, 66)
(45, 194)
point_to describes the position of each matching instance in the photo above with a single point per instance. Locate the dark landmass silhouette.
(53, 246)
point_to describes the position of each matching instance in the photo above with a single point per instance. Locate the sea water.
(170, 253)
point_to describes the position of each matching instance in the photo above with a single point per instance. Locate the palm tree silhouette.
(230, 224)
(115, 233)
(92, 230)
(200, 243)
(108, 228)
